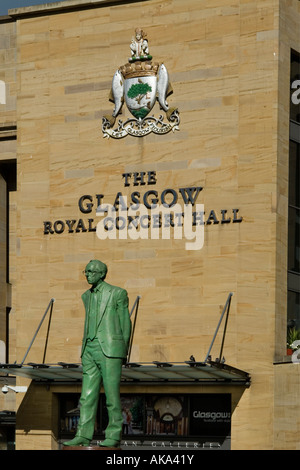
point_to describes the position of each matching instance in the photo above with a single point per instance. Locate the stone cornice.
(60, 7)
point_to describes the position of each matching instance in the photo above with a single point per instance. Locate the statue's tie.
(93, 316)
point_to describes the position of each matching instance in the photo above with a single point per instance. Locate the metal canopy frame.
(188, 372)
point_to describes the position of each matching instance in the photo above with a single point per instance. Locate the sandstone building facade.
(233, 159)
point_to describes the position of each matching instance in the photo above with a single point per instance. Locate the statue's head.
(95, 271)
(139, 34)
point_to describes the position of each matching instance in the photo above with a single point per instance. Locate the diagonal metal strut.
(225, 310)
(50, 306)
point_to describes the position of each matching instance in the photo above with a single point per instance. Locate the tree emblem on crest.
(140, 83)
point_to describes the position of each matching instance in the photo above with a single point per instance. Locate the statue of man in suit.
(105, 342)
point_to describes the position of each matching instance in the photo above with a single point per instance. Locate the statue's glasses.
(90, 272)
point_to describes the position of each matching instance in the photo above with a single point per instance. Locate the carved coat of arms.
(140, 83)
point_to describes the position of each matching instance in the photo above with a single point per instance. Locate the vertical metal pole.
(225, 327)
(217, 329)
(47, 336)
(133, 328)
(133, 307)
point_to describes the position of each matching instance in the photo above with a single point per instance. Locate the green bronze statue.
(104, 348)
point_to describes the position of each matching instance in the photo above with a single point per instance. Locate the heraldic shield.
(140, 83)
(140, 94)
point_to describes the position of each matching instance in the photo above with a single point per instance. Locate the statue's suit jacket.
(113, 320)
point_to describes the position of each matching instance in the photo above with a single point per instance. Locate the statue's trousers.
(97, 370)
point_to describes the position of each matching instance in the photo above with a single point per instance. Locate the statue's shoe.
(78, 441)
(109, 443)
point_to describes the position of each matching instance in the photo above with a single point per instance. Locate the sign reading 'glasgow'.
(143, 209)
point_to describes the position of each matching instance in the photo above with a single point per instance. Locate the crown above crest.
(134, 69)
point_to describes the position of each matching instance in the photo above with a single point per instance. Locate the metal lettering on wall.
(146, 214)
(139, 83)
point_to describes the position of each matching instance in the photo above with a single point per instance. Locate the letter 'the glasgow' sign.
(165, 209)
